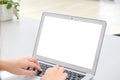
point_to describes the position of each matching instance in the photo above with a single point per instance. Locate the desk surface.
(109, 65)
(18, 39)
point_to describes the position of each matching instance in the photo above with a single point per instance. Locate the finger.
(33, 65)
(40, 66)
(33, 60)
(56, 67)
(27, 72)
(61, 69)
(65, 74)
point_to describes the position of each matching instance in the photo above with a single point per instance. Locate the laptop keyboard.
(71, 75)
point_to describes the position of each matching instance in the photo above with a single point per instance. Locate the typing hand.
(18, 66)
(54, 73)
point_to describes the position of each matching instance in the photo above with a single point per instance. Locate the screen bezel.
(77, 68)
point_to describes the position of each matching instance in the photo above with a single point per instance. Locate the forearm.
(3, 65)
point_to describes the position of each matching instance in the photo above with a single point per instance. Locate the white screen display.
(69, 41)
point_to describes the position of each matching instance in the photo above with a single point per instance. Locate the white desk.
(109, 65)
(18, 39)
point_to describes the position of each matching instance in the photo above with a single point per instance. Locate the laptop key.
(73, 75)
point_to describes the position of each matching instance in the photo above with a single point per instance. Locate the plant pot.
(5, 14)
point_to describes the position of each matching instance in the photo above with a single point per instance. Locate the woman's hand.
(55, 73)
(18, 66)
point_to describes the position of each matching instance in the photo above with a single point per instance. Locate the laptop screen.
(70, 41)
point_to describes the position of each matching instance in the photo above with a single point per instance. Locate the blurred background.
(108, 10)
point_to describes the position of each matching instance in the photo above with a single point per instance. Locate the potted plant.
(7, 9)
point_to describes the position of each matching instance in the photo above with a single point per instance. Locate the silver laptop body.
(64, 39)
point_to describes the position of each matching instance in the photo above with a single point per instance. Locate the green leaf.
(9, 5)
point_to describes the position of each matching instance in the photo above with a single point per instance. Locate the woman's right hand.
(54, 73)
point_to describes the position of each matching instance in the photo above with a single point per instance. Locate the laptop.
(69, 41)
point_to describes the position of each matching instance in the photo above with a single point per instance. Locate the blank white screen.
(69, 41)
